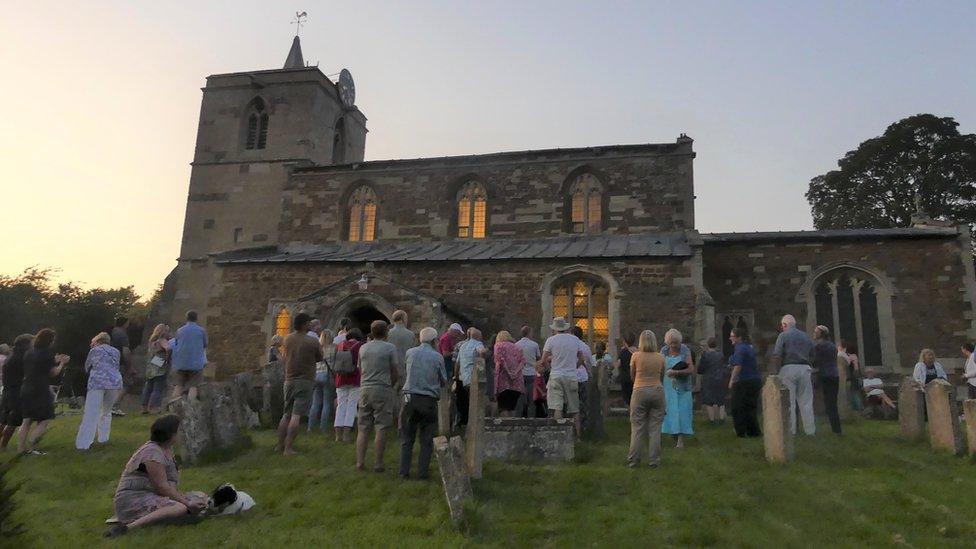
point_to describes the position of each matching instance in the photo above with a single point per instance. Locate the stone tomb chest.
(529, 440)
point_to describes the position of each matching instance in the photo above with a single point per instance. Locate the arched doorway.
(363, 314)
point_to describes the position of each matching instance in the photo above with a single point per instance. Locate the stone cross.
(943, 411)
(777, 437)
(969, 411)
(474, 438)
(911, 410)
(843, 389)
(454, 475)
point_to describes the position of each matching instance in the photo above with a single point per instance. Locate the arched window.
(472, 210)
(339, 143)
(257, 125)
(584, 301)
(283, 322)
(847, 301)
(586, 204)
(362, 215)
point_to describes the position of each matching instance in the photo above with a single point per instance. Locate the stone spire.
(295, 59)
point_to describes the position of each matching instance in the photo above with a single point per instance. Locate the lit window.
(257, 126)
(362, 215)
(283, 322)
(586, 205)
(472, 211)
(584, 302)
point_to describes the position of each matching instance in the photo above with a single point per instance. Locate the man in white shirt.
(561, 354)
(532, 352)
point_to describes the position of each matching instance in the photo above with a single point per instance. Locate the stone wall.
(930, 303)
(647, 188)
(491, 294)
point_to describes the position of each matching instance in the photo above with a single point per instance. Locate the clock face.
(347, 89)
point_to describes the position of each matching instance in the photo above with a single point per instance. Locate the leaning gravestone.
(274, 393)
(843, 389)
(593, 426)
(777, 436)
(943, 412)
(911, 410)
(474, 438)
(454, 475)
(969, 412)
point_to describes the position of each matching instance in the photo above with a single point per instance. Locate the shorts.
(187, 379)
(508, 400)
(298, 396)
(377, 406)
(563, 393)
(10, 411)
(875, 399)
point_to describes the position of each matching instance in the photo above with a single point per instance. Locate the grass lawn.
(865, 489)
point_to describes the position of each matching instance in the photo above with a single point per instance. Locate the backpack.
(342, 362)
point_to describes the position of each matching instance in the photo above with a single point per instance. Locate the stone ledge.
(529, 440)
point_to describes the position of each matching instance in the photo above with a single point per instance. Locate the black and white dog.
(226, 500)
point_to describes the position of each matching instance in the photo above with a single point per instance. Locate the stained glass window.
(586, 204)
(283, 322)
(584, 302)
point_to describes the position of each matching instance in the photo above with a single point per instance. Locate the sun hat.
(559, 324)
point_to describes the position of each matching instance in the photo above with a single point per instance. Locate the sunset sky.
(101, 99)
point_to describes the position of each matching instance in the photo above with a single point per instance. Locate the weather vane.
(299, 21)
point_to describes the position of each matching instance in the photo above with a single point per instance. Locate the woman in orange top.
(647, 404)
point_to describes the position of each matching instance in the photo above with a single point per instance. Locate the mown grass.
(865, 489)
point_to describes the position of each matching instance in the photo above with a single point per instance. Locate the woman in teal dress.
(678, 388)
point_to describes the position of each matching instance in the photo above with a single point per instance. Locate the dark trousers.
(745, 407)
(831, 385)
(418, 416)
(463, 396)
(525, 407)
(627, 389)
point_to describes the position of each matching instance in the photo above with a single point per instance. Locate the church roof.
(295, 59)
(491, 249)
(830, 234)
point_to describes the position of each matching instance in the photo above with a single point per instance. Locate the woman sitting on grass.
(147, 491)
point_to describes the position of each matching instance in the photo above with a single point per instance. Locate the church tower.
(254, 127)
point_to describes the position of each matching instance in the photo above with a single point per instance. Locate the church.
(284, 215)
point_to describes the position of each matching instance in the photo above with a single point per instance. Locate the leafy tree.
(877, 183)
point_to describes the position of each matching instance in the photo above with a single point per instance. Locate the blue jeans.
(323, 400)
(152, 392)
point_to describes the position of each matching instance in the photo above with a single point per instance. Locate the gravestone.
(911, 410)
(777, 437)
(444, 412)
(843, 390)
(454, 475)
(969, 412)
(529, 440)
(603, 383)
(474, 443)
(210, 422)
(274, 394)
(248, 406)
(943, 412)
(593, 426)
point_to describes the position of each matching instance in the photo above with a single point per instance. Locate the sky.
(101, 99)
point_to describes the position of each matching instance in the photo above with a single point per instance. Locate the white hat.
(456, 326)
(559, 324)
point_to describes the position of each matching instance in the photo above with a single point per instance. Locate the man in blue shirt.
(189, 355)
(468, 350)
(745, 384)
(422, 388)
(792, 354)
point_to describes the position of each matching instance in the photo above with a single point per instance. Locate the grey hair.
(789, 320)
(672, 335)
(428, 334)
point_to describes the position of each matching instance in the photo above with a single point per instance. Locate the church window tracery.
(585, 302)
(362, 215)
(257, 126)
(472, 211)
(586, 204)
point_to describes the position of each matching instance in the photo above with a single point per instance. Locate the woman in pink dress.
(509, 362)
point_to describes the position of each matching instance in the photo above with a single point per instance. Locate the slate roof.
(563, 247)
(832, 234)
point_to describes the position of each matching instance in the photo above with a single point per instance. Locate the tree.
(876, 185)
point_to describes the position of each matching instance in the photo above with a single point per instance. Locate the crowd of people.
(393, 378)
